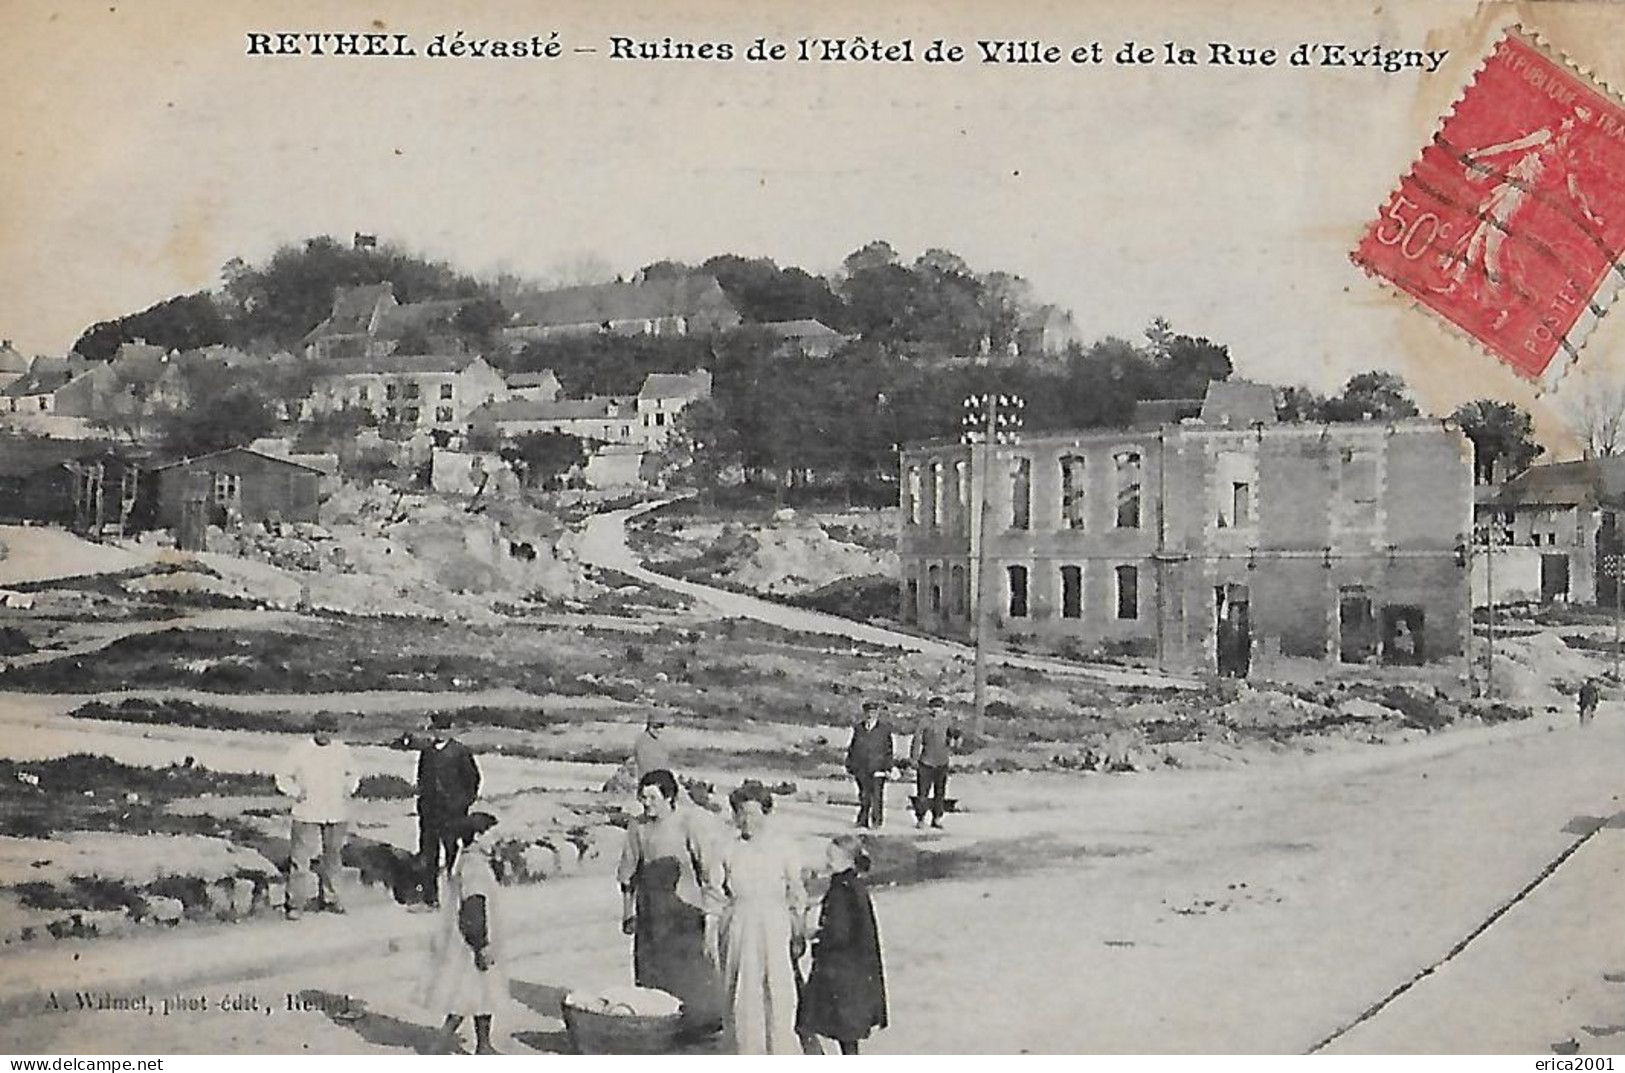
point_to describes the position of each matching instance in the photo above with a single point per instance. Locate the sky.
(148, 149)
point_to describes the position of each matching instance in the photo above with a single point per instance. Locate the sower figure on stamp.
(869, 760)
(320, 775)
(1542, 154)
(931, 751)
(448, 784)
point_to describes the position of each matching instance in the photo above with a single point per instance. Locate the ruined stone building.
(1216, 543)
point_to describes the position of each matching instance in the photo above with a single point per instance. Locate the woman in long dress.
(757, 889)
(468, 976)
(662, 876)
(845, 997)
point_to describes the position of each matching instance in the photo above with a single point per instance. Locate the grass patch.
(95, 793)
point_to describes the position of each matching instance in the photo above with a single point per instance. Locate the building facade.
(664, 396)
(428, 391)
(1212, 546)
(601, 418)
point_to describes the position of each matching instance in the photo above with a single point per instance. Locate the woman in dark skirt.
(845, 996)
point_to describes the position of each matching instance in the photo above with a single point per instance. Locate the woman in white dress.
(758, 892)
(467, 975)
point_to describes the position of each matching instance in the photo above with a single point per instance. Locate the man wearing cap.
(321, 776)
(869, 760)
(931, 750)
(448, 784)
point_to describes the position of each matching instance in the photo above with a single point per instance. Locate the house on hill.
(676, 306)
(804, 338)
(367, 322)
(664, 396)
(13, 366)
(601, 418)
(1046, 332)
(425, 390)
(35, 392)
(539, 386)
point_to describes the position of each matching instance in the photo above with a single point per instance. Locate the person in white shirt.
(321, 776)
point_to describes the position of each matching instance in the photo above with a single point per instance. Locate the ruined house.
(1213, 544)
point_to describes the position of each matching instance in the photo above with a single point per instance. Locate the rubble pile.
(379, 551)
(82, 883)
(792, 556)
(1540, 669)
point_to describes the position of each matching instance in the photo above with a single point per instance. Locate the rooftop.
(604, 302)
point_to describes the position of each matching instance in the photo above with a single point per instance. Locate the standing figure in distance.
(869, 760)
(931, 750)
(448, 784)
(1589, 695)
(321, 776)
(650, 752)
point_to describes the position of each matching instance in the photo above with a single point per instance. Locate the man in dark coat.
(448, 784)
(869, 760)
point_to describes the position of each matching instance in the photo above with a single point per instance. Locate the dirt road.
(604, 545)
(1257, 909)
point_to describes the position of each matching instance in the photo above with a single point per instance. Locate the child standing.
(467, 974)
(845, 997)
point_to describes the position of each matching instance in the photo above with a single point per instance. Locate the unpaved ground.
(35, 553)
(1256, 909)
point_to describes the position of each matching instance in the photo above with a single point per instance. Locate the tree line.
(923, 335)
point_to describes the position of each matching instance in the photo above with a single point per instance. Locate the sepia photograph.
(736, 528)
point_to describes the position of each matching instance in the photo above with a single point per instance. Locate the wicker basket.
(594, 1032)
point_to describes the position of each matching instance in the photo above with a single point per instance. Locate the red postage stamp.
(1511, 223)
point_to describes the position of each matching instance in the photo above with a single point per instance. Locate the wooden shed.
(232, 487)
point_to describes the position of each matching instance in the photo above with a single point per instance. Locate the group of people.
(467, 976)
(870, 760)
(719, 913)
(722, 921)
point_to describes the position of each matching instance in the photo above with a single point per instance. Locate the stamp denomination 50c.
(1511, 223)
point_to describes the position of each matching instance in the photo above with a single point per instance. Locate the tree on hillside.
(1372, 396)
(664, 270)
(762, 291)
(702, 450)
(479, 323)
(543, 458)
(1501, 433)
(1297, 403)
(1183, 365)
(236, 415)
(283, 299)
(181, 323)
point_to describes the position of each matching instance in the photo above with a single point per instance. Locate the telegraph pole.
(988, 419)
(1613, 563)
(1489, 592)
